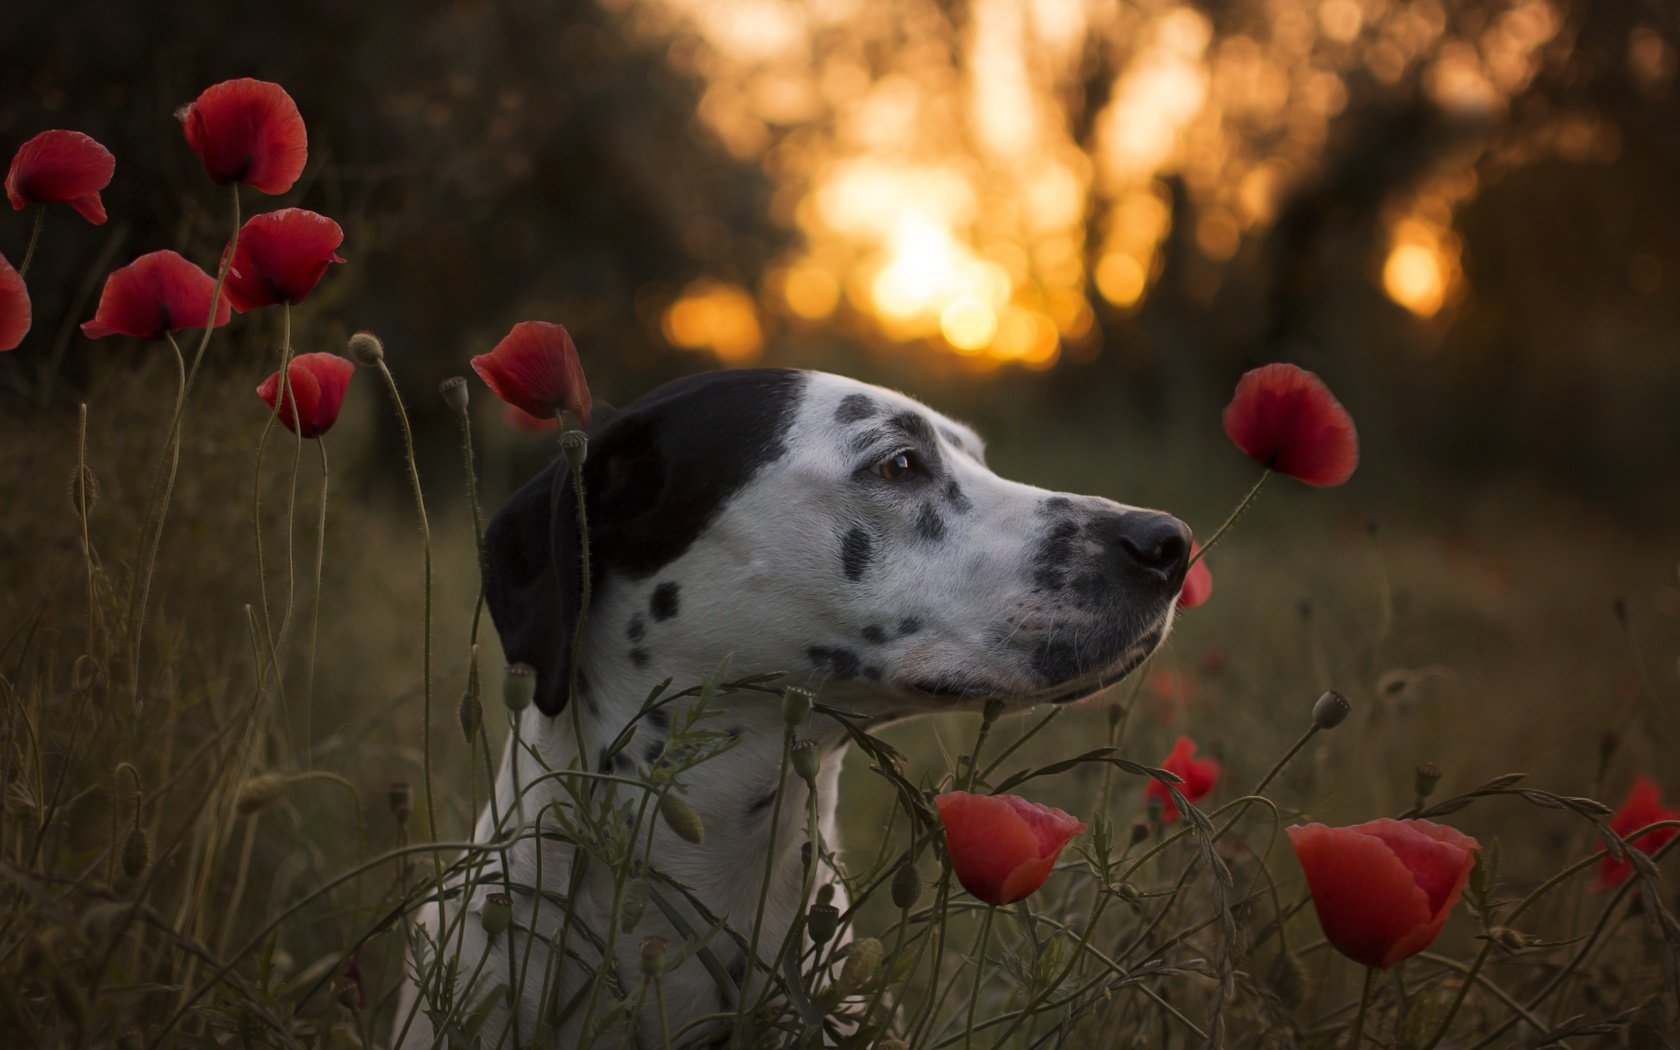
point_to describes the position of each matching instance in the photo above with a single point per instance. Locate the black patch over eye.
(900, 466)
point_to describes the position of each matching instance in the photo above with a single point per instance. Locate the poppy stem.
(282, 399)
(157, 507)
(1242, 508)
(1364, 1004)
(34, 238)
(764, 889)
(315, 620)
(979, 972)
(426, 612)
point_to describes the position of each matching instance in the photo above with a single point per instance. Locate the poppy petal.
(318, 383)
(1285, 418)
(61, 166)
(280, 256)
(248, 131)
(157, 293)
(1365, 898)
(15, 315)
(536, 368)
(1198, 582)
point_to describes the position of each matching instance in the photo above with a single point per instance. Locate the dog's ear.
(533, 580)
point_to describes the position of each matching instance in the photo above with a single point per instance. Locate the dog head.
(833, 530)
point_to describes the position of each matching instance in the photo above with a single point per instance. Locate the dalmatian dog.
(799, 522)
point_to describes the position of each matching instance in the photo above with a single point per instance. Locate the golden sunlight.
(977, 185)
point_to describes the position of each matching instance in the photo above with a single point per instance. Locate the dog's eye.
(900, 466)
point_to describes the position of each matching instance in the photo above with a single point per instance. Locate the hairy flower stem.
(315, 620)
(979, 972)
(1242, 508)
(426, 613)
(82, 516)
(283, 398)
(163, 484)
(1271, 774)
(1364, 1004)
(34, 239)
(764, 887)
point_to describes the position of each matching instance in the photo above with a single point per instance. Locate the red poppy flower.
(156, 293)
(1198, 582)
(1286, 418)
(14, 307)
(318, 385)
(65, 166)
(1642, 806)
(536, 368)
(280, 256)
(1199, 776)
(247, 131)
(519, 419)
(1383, 889)
(1002, 846)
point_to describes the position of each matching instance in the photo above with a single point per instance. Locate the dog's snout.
(1158, 544)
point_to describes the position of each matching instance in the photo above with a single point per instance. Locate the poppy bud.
(519, 687)
(1140, 831)
(633, 905)
(653, 956)
(1287, 979)
(349, 996)
(807, 762)
(1428, 775)
(401, 799)
(1331, 710)
(497, 913)
(1618, 605)
(366, 349)
(821, 923)
(796, 705)
(574, 445)
(1512, 941)
(825, 893)
(991, 711)
(82, 478)
(259, 791)
(906, 885)
(136, 852)
(469, 713)
(682, 818)
(863, 962)
(454, 391)
(1607, 745)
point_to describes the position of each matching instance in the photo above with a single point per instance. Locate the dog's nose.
(1156, 544)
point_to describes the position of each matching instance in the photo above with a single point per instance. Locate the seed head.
(366, 349)
(454, 391)
(82, 477)
(497, 913)
(1331, 710)
(821, 923)
(992, 711)
(1428, 775)
(519, 687)
(807, 761)
(574, 445)
(906, 885)
(682, 818)
(796, 705)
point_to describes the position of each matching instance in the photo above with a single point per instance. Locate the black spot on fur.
(1055, 505)
(1056, 658)
(855, 407)
(872, 673)
(873, 633)
(760, 805)
(841, 663)
(929, 525)
(909, 625)
(955, 496)
(663, 604)
(639, 657)
(659, 718)
(590, 704)
(1055, 555)
(855, 552)
(652, 751)
(735, 732)
(637, 629)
